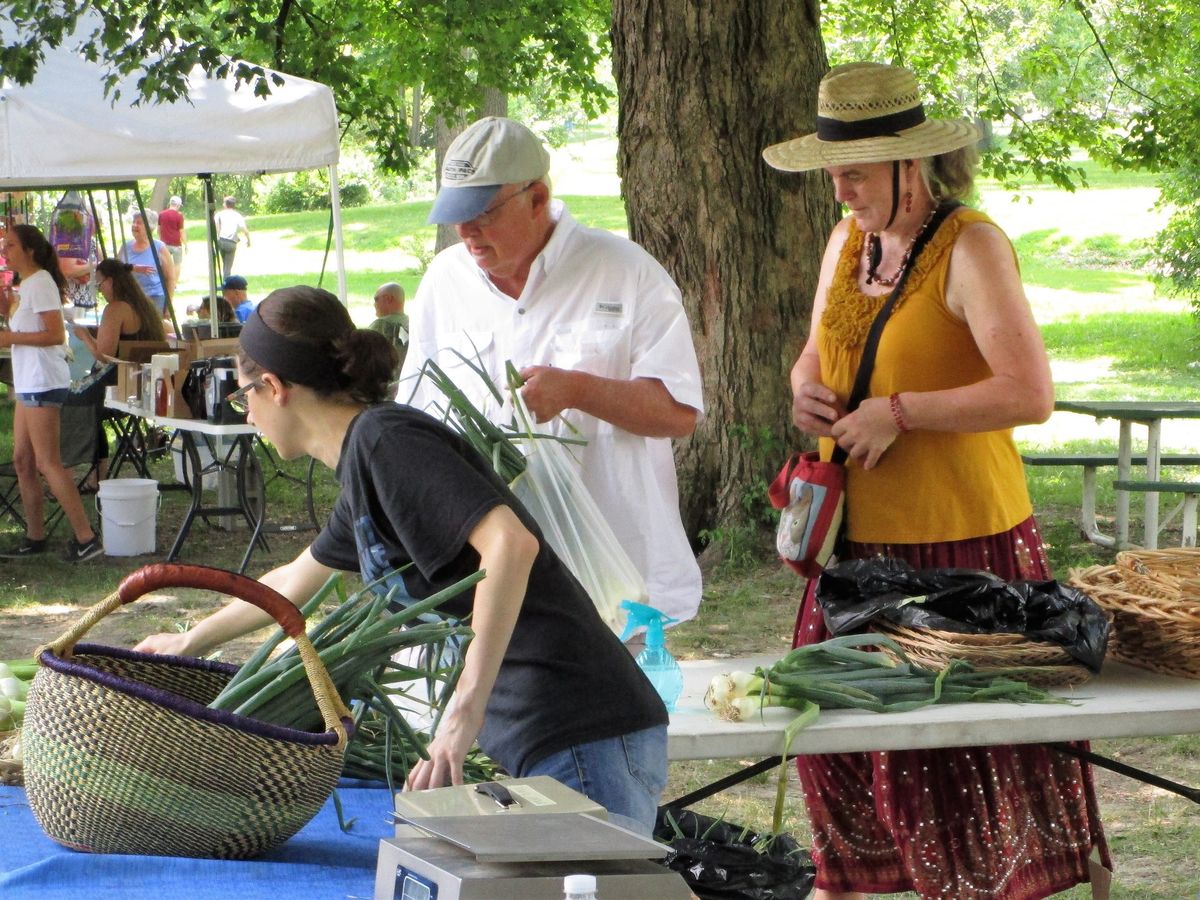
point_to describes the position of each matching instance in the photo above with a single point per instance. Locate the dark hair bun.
(368, 364)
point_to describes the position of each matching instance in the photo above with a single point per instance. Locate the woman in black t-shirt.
(545, 687)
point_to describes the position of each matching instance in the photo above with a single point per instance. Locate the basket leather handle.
(164, 575)
(206, 578)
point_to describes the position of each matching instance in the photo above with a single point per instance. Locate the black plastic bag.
(858, 591)
(721, 861)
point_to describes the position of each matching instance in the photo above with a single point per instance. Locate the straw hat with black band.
(870, 113)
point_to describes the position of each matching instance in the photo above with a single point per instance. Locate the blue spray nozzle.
(639, 615)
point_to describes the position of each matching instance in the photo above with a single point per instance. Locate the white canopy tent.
(61, 131)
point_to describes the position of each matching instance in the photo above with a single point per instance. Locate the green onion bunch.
(15, 677)
(837, 674)
(358, 642)
(490, 440)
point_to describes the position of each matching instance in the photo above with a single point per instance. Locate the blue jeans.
(626, 775)
(55, 397)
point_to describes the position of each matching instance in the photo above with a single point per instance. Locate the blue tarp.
(321, 862)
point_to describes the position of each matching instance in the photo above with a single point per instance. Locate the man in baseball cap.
(488, 155)
(594, 324)
(234, 290)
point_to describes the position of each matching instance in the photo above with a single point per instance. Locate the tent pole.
(99, 227)
(109, 205)
(335, 201)
(210, 212)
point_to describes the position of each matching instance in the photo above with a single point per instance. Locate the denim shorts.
(55, 398)
(626, 775)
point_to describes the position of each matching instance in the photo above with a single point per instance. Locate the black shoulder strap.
(862, 380)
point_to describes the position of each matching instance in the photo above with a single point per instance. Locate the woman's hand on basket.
(815, 408)
(867, 432)
(167, 644)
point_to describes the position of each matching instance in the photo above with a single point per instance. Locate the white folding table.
(232, 449)
(1122, 701)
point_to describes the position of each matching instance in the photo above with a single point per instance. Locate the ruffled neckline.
(849, 312)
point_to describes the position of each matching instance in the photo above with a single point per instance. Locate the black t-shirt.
(412, 491)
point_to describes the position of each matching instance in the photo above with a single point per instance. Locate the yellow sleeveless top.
(930, 486)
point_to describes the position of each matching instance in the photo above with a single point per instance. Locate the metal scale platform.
(515, 840)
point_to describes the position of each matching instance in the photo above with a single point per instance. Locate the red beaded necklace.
(874, 255)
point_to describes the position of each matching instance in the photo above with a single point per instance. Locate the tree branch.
(1087, 19)
(996, 89)
(280, 24)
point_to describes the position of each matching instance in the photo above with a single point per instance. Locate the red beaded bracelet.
(897, 414)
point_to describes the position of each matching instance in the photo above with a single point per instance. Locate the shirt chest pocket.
(597, 347)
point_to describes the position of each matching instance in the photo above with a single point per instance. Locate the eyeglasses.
(488, 216)
(237, 400)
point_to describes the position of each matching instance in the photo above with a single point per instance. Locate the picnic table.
(1151, 414)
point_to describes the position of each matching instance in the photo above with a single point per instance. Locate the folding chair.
(77, 445)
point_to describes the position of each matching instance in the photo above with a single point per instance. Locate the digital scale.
(515, 840)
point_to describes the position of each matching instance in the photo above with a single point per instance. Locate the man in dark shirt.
(234, 290)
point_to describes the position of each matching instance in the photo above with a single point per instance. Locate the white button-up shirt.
(593, 302)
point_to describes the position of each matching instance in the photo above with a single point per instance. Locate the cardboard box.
(128, 383)
(173, 367)
(141, 351)
(177, 407)
(210, 348)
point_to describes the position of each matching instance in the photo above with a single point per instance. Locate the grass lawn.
(1108, 336)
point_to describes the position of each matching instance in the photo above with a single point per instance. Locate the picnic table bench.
(1191, 497)
(1090, 462)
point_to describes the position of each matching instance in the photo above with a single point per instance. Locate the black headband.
(301, 362)
(880, 126)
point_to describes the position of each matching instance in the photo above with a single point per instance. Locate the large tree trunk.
(493, 103)
(704, 86)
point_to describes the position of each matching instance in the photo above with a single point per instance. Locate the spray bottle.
(656, 660)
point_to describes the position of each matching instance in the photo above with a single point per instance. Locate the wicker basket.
(1047, 665)
(122, 754)
(1169, 574)
(1155, 626)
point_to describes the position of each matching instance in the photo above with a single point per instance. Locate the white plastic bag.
(554, 493)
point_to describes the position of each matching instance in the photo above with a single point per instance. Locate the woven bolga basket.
(1047, 665)
(122, 754)
(1156, 625)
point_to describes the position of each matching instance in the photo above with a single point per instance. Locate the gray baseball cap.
(489, 154)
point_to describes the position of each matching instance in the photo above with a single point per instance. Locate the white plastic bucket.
(128, 515)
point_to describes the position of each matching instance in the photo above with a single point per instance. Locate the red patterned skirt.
(966, 823)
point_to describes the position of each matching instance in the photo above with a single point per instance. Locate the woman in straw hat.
(933, 478)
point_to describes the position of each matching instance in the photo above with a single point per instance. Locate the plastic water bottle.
(579, 887)
(656, 660)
